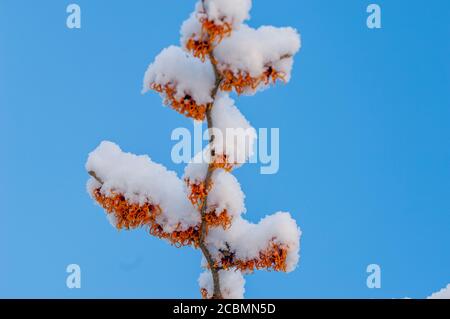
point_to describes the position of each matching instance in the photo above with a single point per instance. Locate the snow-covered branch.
(204, 209)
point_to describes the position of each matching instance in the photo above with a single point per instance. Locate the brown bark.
(217, 294)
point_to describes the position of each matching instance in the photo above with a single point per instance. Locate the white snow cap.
(444, 293)
(231, 284)
(226, 194)
(197, 168)
(140, 180)
(233, 134)
(191, 28)
(254, 50)
(238, 145)
(247, 240)
(233, 12)
(188, 75)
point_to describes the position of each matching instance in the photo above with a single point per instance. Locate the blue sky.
(364, 148)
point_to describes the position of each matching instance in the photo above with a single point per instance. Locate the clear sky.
(364, 148)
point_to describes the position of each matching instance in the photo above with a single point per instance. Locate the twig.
(217, 294)
(94, 175)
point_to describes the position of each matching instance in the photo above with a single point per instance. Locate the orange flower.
(242, 81)
(273, 257)
(197, 196)
(186, 105)
(273, 75)
(189, 237)
(216, 32)
(221, 161)
(129, 216)
(200, 49)
(239, 82)
(198, 192)
(214, 220)
(201, 46)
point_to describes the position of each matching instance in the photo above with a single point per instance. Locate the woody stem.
(217, 294)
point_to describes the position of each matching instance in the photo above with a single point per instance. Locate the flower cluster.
(214, 219)
(253, 58)
(274, 257)
(201, 45)
(216, 33)
(198, 193)
(184, 82)
(178, 237)
(209, 34)
(210, 23)
(185, 105)
(273, 243)
(126, 215)
(243, 82)
(247, 59)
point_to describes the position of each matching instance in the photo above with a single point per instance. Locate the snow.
(197, 168)
(224, 14)
(226, 194)
(191, 28)
(231, 283)
(444, 293)
(252, 51)
(233, 134)
(140, 180)
(189, 75)
(233, 12)
(238, 144)
(247, 240)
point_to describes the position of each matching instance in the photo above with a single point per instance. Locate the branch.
(217, 294)
(285, 56)
(94, 175)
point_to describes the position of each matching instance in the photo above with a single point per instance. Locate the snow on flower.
(225, 199)
(184, 81)
(272, 243)
(231, 282)
(252, 58)
(194, 39)
(233, 12)
(234, 141)
(210, 23)
(234, 137)
(138, 192)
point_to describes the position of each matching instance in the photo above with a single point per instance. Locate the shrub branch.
(217, 294)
